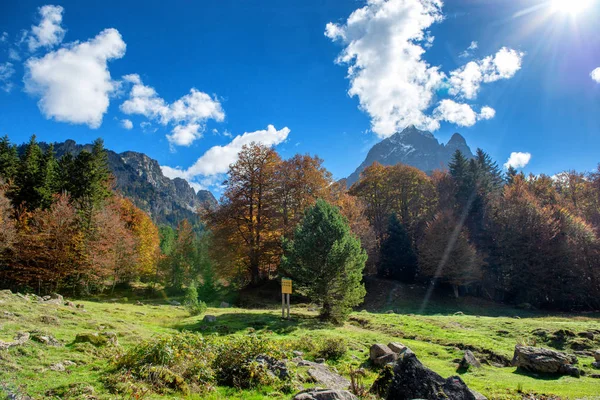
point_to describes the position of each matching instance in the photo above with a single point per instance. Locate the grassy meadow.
(438, 335)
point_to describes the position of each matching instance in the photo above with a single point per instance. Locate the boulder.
(111, 337)
(596, 364)
(47, 340)
(323, 376)
(174, 303)
(209, 318)
(536, 359)
(397, 347)
(20, 339)
(59, 367)
(50, 320)
(297, 353)
(325, 394)
(93, 338)
(380, 354)
(70, 304)
(469, 360)
(79, 306)
(597, 355)
(412, 380)
(275, 367)
(224, 304)
(54, 298)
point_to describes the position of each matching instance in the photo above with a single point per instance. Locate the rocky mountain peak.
(140, 178)
(413, 147)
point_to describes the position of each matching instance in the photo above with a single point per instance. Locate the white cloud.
(466, 80)
(461, 114)
(73, 82)
(385, 45)
(595, 74)
(487, 113)
(3, 37)
(517, 160)
(49, 32)
(216, 160)
(188, 114)
(383, 49)
(127, 124)
(14, 55)
(6, 72)
(469, 51)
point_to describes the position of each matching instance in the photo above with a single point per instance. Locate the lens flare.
(572, 7)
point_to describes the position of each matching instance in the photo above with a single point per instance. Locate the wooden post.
(282, 305)
(288, 306)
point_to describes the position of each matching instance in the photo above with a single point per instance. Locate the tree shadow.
(266, 322)
(537, 375)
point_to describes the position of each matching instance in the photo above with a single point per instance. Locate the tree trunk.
(455, 288)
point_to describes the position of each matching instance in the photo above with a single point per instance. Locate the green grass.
(436, 336)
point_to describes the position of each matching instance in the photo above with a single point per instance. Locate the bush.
(187, 363)
(333, 348)
(236, 362)
(172, 362)
(191, 302)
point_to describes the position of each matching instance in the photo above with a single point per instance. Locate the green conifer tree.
(398, 258)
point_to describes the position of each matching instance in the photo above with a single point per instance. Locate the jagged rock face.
(413, 147)
(140, 178)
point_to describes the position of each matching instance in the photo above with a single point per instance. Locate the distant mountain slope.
(413, 147)
(140, 178)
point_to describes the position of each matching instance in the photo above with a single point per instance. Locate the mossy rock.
(93, 338)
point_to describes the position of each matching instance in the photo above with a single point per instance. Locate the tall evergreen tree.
(398, 258)
(326, 261)
(28, 177)
(48, 178)
(9, 160)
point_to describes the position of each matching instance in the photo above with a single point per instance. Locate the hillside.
(140, 178)
(413, 147)
(88, 371)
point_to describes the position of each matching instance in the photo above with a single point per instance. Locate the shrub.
(236, 362)
(191, 302)
(172, 362)
(333, 348)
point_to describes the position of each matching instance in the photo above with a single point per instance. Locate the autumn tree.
(249, 210)
(326, 261)
(7, 226)
(446, 255)
(49, 247)
(147, 241)
(300, 181)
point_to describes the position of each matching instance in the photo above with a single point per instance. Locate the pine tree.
(28, 177)
(48, 178)
(398, 258)
(9, 160)
(326, 261)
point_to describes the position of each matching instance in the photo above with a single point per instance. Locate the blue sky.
(194, 76)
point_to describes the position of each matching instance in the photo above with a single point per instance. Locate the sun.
(572, 7)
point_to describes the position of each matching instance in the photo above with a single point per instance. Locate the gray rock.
(325, 394)
(59, 367)
(596, 364)
(50, 320)
(70, 304)
(224, 304)
(20, 339)
(79, 306)
(47, 340)
(469, 360)
(54, 298)
(276, 367)
(320, 360)
(174, 303)
(597, 355)
(536, 359)
(297, 353)
(397, 347)
(325, 377)
(380, 354)
(412, 380)
(111, 337)
(209, 318)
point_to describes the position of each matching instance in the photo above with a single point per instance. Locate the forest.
(474, 228)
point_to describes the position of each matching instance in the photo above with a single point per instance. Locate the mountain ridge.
(140, 178)
(413, 147)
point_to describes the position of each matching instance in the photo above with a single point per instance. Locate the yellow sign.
(286, 286)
